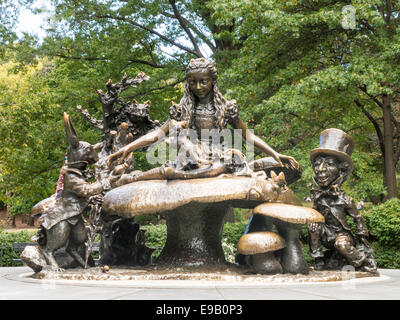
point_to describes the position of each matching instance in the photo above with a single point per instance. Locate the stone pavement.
(15, 284)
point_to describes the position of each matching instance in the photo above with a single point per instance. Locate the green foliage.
(9, 12)
(366, 179)
(145, 219)
(32, 135)
(230, 237)
(387, 257)
(303, 234)
(156, 237)
(306, 252)
(233, 231)
(291, 65)
(240, 215)
(300, 71)
(6, 243)
(383, 221)
(83, 49)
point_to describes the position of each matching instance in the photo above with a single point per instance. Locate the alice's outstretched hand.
(289, 161)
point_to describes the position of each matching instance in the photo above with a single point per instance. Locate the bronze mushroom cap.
(260, 242)
(289, 213)
(155, 196)
(288, 220)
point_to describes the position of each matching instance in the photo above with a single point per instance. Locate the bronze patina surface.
(194, 191)
(332, 165)
(230, 274)
(155, 196)
(260, 242)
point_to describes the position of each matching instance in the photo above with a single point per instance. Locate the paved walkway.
(15, 284)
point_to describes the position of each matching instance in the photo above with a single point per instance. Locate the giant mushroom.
(288, 220)
(260, 247)
(194, 209)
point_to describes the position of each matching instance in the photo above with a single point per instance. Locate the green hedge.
(6, 245)
(386, 257)
(383, 221)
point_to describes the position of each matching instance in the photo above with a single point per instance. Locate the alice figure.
(202, 108)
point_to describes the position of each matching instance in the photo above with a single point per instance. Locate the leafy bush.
(306, 252)
(233, 231)
(230, 237)
(240, 214)
(385, 256)
(383, 222)
(156, 237)
(6, 245)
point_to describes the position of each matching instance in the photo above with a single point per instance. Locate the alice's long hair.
(187, 103)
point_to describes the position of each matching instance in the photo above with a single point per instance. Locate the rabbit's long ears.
(72, 137)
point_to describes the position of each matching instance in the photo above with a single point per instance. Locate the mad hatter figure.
(332, 165)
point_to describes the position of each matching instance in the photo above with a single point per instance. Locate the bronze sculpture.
(122, 240)
(197, 189)
(123, 243)
(288, 257)
(202, 108)
(61, 224)
(332, 164)
(196, 208)
(65, 237)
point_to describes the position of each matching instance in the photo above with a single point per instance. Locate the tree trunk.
(389, 163)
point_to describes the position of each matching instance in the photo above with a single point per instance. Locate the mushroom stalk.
(265, 263)
(258, 249)
(288, 219)
(292, 257)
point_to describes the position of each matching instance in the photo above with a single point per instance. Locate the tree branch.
(155, 89)
(166, 39)
(131, 60)
(185, 28)
(364, 89)
(60, 55)
(148, 50)
(374, 123)
(151, 64)
(38, 173)
(201, 35)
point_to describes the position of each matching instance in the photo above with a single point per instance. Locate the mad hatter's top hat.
(334, 142)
